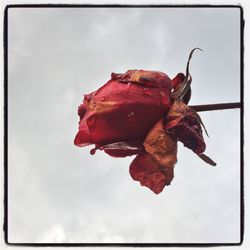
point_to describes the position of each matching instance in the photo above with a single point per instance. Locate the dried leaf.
(184, 87)
(207, 159)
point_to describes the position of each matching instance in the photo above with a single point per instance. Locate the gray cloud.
(60, 193)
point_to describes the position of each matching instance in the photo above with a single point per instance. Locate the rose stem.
(217, 106)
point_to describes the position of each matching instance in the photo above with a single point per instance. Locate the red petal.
(123, 149)
(177, 80)
(82, 110)
(83, 137)
(117, 112)
(123, 112)
(145, 170)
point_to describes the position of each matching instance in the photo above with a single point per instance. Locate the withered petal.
(153, 79)
(82, 110)
(161, 145)
(177, 80)
(123, 149)
(117, 112)
(182, 121)
(207, 159)
(145, 170)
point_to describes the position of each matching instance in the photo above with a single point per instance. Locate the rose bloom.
(142, 113)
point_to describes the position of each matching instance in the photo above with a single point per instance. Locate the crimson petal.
(82, 110)
(117, 112)
(177, 80)
(83, 137)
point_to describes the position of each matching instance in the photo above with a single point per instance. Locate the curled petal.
(181, 88)
(82, 110)
(146, 78)
(178, 80)
(145, 170)
(88, 97)
(123, 149)
(83, 137)
(183, 121)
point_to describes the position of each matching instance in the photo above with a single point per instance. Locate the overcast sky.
(61, 193)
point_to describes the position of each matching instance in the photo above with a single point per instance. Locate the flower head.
(143, 113)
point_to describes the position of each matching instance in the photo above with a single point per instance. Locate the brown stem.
(217, 106)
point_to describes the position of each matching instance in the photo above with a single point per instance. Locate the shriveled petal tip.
(182, 121)
(88, 97)
(177, 80)
(144, 77)
(82, 110)
(178, 83)
(155, 181)
(145, 170)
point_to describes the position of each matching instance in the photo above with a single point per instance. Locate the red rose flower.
(143, 113)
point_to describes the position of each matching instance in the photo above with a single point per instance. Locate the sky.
(59, 193)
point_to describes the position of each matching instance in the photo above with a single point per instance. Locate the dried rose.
(143, 113)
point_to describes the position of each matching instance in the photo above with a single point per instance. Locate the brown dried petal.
(185, 122)
(145, 170)
(161, 146)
